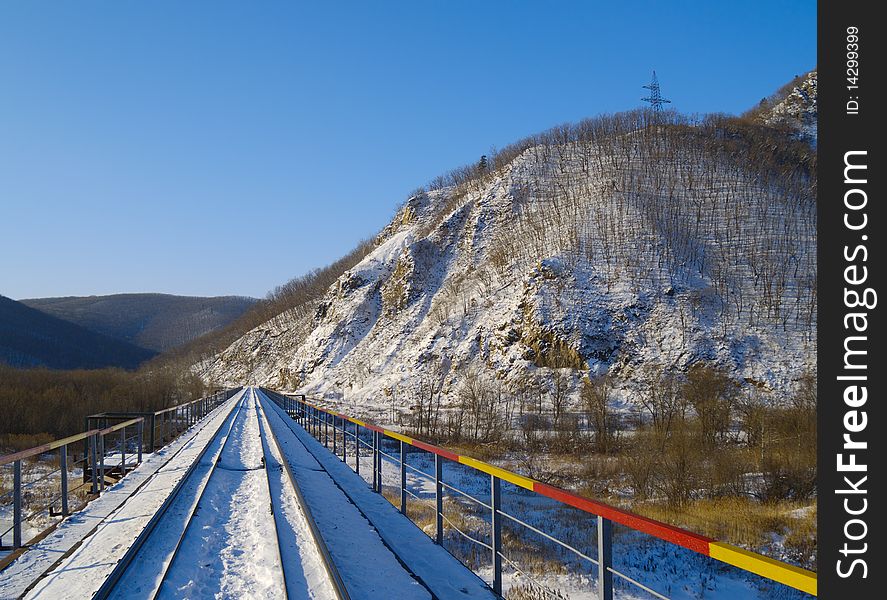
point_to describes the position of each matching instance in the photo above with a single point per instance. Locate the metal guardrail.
(162, 427)
(165, 425)
(94, 458)
(330, 428)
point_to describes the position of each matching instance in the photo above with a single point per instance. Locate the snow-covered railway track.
(216, 538)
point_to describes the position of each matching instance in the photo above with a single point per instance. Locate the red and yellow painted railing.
(774, 570)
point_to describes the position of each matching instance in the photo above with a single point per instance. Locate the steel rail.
(332, 571)
(275, 509)
(200, 492)
(114, 577)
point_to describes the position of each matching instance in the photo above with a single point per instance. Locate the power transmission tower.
(655, 98)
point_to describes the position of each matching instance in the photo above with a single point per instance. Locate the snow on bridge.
(239, 506)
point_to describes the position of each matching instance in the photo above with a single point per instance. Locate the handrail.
(43, 448)
(119, 426)
(769, 568)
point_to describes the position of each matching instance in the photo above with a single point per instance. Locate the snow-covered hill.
(631, 245)
(795, 106)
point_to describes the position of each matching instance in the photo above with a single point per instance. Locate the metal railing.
(96, 459)
(350, 438)
(163, 426)
(107, 436)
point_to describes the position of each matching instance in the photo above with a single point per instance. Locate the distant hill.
(30, 338)
(153, 321)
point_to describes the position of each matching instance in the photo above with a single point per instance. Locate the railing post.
(496, 521)
(381, 448)
(63, 465)
(141, 429)
(357, 448)
(101, 462)
(17, 504)
(335, 447)
(86, 447)
(605, 558)
(344, 441)
(375, 460)
(438, 499)
(93, 462)
(122, 451)
(403, 477)
(326, 430)
(151, 435)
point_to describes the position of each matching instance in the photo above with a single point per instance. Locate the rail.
(123, 564)
(338, 584)
(330, 428)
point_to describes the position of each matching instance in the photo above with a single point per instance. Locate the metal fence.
(95, 459)
(163, 426)
(111, 446)
(352, 439)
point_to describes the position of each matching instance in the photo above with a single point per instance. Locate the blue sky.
(223, 147)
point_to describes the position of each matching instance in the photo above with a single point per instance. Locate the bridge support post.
(63, 465)
(605, 558)
(17, 504)
(403, 477)
(438, 499)
(496, 522)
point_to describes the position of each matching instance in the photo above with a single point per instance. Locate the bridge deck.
(178, 526)
(151, 482)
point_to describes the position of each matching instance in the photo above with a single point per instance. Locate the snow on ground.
(97, 536)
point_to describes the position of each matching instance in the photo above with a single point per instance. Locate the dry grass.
(745, 522)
